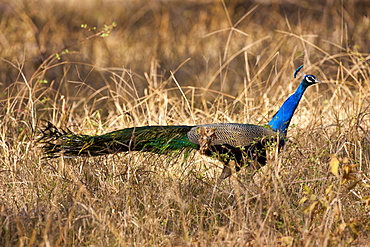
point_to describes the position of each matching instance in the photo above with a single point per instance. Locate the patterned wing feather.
(233, 134)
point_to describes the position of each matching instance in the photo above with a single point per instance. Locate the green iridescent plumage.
(156, 139)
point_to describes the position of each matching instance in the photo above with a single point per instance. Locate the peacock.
(234, 144)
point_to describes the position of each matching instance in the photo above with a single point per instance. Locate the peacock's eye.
(310, 79)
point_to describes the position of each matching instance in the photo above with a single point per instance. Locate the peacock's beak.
(317, 81)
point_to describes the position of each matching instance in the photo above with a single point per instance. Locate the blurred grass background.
(184, 62)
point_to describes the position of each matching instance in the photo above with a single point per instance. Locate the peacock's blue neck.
(281, 120)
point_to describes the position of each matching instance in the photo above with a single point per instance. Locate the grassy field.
(104, 65)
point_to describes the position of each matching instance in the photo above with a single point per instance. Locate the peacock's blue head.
(309, 80)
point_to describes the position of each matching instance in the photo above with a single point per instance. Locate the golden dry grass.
(184, 62)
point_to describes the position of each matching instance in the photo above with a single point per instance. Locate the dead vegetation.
(106, 65)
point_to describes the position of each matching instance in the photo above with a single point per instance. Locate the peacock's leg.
(226, 172)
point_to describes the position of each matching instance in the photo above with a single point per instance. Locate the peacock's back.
(233, 134)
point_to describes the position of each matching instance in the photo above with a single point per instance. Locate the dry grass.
(184, 62)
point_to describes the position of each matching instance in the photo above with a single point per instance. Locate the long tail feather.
(156, 139)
